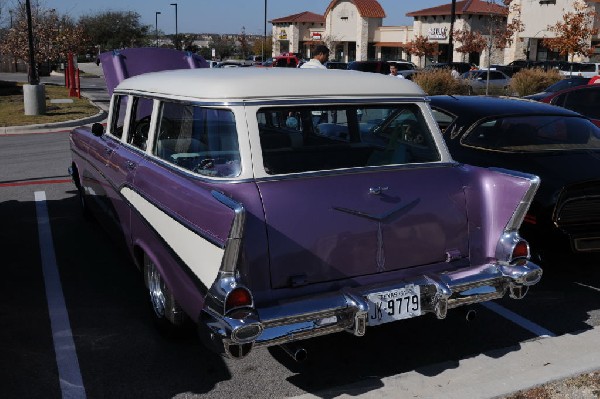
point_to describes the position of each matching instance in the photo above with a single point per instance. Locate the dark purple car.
(268, 215)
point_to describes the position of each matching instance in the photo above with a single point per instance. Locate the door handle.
(377, 190)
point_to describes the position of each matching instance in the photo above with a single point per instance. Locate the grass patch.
(12, 109)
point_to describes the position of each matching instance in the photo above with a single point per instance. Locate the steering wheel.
(140, 133)
(166, 129)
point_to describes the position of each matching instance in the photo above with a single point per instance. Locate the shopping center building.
(355, 30)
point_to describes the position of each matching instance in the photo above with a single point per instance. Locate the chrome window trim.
(270, 102)
(358, 170)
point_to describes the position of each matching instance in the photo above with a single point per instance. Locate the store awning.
(390, 44)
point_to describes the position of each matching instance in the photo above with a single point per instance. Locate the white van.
(584, 69)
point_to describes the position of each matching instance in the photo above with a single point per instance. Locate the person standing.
(454, 73)
(320, 57)
(394, 71)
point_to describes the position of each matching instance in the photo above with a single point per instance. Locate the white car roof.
(268, 83)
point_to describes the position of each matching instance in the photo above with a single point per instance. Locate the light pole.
(176, 32)
(451, 36)
(33, 75)
(265, 34)
(156, 25)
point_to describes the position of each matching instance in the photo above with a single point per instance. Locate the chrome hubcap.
(155, 283)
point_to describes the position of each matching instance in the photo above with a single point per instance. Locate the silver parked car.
(477, 80)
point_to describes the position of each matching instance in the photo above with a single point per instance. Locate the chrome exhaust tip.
(471, 315)
(296, 352)
(518, 291)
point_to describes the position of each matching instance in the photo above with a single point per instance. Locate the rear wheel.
(167, 312)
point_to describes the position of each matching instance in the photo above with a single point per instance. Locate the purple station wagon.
(274, 205)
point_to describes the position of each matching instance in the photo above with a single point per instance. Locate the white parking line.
(71, 383)
(519, 320)
(588, 286)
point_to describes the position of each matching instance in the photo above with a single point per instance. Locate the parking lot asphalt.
(497, 373)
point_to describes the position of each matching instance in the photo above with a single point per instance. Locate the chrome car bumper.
(347, 309)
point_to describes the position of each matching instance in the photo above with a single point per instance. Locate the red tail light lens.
(520, 250)
(238, 298)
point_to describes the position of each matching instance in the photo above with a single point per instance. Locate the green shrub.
(530, 81)
(439, 81)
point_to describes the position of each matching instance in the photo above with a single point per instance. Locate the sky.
(220, 16)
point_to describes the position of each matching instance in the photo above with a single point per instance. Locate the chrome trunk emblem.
(380, 218)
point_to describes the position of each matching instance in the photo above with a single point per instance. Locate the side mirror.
(97, 129)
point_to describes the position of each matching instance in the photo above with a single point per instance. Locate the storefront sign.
(316, 35)
(437, 33)
(283, 35)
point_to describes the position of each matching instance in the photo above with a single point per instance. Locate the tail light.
(520, 251)
(239, 297)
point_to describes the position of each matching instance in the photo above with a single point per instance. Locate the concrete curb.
(57, 126)
(497, 373)
(99, 117)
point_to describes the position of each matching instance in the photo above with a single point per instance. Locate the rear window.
(303, 139)
(534, 133)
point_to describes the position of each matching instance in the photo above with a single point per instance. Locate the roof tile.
(366, 8)
(305, 16)
(462, 7)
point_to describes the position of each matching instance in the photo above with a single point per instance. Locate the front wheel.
(167, 312)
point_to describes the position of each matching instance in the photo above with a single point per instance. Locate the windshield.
(300, 139)
(534, 133)
(566, 83)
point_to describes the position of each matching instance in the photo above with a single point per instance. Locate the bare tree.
(55, 36)
(244, 44)
(259, 44)
(331, 41)
(501, 32)
(421, 46)
(574, 32)
(470, 42)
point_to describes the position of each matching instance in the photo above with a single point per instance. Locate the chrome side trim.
(236, 233)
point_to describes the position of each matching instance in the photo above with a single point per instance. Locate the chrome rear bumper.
(347, 309)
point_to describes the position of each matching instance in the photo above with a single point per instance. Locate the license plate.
(398, 304)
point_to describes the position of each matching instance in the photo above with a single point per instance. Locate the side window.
(559, 100)
(584, 101)
(118, 116)
(443, 119)
(139, 126)
(202, 140)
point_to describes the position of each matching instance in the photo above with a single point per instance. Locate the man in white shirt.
(320, 57)
(394, 71)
